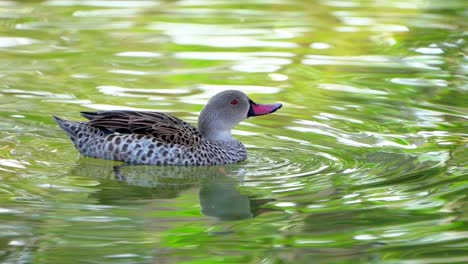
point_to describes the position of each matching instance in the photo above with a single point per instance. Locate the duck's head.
(227, 109)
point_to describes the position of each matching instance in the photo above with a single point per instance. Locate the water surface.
(366, 161)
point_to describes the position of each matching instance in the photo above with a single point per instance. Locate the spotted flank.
(158, 139)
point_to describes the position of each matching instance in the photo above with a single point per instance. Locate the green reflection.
(366, 162)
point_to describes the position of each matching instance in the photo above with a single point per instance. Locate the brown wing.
(163, 127)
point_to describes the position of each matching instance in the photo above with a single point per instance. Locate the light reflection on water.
(366, 161)
(11, 41)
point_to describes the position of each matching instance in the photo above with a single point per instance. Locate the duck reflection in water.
(218, 186)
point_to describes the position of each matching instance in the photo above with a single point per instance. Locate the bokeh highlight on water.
(366, 161)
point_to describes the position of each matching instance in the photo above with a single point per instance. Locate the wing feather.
(163, 127)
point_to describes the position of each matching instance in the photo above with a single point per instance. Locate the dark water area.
(365, 163)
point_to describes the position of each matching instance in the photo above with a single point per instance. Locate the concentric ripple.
(282, 167)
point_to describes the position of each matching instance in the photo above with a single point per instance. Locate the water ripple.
(227, 36)
(366, 161)
(423, 62)
(100, 3)
(6, 42)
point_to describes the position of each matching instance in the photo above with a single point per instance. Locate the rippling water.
(366, 161)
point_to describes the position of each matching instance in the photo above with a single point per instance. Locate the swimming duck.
(153, 138)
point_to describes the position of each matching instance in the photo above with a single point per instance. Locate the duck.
(155, 138)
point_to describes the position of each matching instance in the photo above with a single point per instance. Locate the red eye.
(234, 102)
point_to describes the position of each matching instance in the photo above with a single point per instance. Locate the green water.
(365, 163)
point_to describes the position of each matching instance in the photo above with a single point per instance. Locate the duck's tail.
(71, 128)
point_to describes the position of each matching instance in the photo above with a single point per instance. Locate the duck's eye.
(234, 102)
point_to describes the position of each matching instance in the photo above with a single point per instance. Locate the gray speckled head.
(222, 112)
